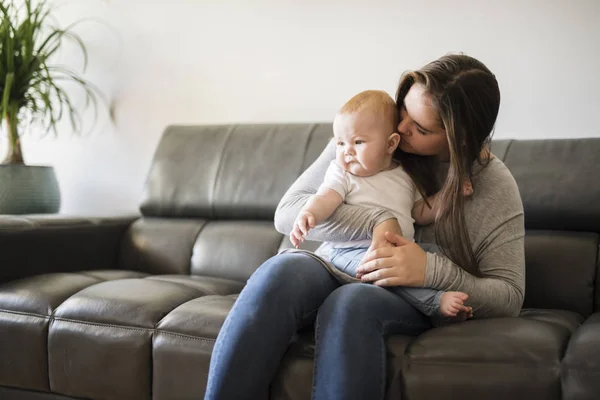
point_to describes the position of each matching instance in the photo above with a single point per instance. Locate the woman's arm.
(345, 224)
(496, 229)
(498, 293)
(501, 289)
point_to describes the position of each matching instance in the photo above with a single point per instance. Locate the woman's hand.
(379, 240)
(402, 265)
(375, 244)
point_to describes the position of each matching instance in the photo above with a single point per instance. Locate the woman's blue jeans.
(291, 291)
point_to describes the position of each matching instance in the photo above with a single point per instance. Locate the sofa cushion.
(581, 365)
(113, 327)
(160, 245)
(129, 302)
(183, 344)
(26, 308)
(41, 294)
(471, 358)
(231, 250)
(561, 270)
(205, 284)
(234, 249)
(86, 334)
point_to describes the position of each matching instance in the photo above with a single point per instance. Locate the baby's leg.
(436, 303)
(451, 304)
(425, 300)
(347, 259)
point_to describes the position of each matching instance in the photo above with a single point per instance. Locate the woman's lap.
(352, 299)
(350, 332)
(368, 302)
(288, 292)
(282, 296)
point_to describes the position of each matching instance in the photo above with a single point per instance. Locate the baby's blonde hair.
(377, 102)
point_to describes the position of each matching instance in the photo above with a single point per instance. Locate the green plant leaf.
(29, 37)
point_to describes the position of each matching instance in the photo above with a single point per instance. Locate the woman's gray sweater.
(494, 216)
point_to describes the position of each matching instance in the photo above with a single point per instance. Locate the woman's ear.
(393, 142)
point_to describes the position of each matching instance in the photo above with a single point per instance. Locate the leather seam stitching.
(156, 330)
(480, 363)
(27, 314)
(201, 339)
(213, 189)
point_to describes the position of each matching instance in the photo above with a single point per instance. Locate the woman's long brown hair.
(466, 96)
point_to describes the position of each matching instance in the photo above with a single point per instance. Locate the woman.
(448, 110)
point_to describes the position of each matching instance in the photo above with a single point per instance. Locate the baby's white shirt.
(391, 189)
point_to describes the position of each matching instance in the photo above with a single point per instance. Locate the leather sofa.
(129, 307)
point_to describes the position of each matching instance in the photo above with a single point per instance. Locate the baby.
(364, 173)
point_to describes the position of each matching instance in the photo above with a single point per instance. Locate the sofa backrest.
(559, 182)
(211, 194)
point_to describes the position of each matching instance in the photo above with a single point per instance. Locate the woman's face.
(419, 128)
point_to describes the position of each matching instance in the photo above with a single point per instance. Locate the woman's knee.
(349, 303)
(361, 307)
(286, 272)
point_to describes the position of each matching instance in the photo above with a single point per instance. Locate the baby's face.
(362, 143)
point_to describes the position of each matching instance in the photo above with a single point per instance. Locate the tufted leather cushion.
(581, 365)
(561, 270)
(183, 345)
(499, 358)
(86, 334)
(248, 245)
(26, 309)
(160, 245)
(558, 181)
(228, 171)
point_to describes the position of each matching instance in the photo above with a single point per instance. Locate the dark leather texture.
(232, 172)
(129, 307)
(581, 364)
(32, 245)
(558, 180)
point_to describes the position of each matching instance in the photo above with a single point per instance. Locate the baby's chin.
(357, 170)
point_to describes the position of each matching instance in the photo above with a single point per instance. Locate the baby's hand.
(305, 221)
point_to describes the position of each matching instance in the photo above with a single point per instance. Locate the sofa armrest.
(38, 244)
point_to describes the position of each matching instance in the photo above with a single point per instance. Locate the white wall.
(221, 61)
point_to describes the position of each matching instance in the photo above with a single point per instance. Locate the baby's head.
(365, 133)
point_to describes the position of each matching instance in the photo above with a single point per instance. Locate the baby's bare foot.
(463, 315)
(453, 303)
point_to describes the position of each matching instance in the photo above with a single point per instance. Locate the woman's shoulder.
(495, 175)
(495, 185)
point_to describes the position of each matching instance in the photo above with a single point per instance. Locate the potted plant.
(31, 92)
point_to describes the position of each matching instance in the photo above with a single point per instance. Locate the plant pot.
(26, 189)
